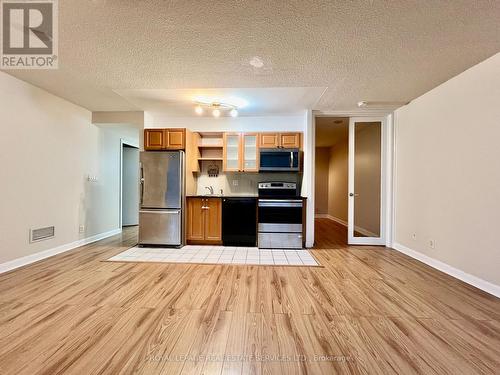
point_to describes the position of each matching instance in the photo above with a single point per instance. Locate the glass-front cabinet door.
(250, 152)
(232, 152)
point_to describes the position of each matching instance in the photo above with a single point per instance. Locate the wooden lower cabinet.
(204, 221)
(213, 220)
(195, 228)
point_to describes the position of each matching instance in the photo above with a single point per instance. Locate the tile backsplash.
(234, 183)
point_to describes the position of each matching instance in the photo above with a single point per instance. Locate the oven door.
(280, 215)
(279, 160)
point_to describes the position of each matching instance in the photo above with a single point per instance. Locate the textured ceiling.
(361, 50)
(249, 101)
(331, 130)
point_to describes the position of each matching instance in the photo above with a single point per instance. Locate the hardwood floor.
(368, 310)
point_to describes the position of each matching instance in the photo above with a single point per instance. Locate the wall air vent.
(41, 234)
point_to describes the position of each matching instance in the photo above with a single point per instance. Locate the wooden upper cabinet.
(176, 139)
(290, 140)
(280, 140)
(231, 152)
(164, 139)
(269, 140)
(250, 152)
(154, 139)
(241, 152)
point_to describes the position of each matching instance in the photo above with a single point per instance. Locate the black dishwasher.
(239, 222)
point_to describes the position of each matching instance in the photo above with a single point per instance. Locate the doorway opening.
(349, 180)
(129, 213)
(331, 181)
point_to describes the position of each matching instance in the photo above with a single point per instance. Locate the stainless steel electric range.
(279, 216)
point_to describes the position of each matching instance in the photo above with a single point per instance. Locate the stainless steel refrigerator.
(162, 198)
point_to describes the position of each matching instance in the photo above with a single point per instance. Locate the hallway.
(329, 234)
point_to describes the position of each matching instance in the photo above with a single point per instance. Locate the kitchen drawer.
(160, 227)
(280, 240)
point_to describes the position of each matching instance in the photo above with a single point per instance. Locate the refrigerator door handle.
(163, 212)
(142, 184)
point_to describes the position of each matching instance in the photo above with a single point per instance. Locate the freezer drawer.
(280, 241)
(160, 227)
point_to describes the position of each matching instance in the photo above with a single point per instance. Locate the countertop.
(221, 196)
(231, 196)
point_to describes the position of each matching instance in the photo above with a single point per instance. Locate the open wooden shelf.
(210, 159)
(210, 146)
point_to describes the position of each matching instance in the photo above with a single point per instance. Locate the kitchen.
(240, 189)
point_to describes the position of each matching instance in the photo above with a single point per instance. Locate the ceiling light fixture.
(256, 62)
(217, 108)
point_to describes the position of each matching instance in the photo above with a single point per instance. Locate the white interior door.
(367, 181)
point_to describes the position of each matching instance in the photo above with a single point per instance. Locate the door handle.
(142, 185)
(353, 195)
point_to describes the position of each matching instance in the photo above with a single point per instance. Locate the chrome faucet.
(210, 189)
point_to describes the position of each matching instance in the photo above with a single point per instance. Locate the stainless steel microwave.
(279, 160)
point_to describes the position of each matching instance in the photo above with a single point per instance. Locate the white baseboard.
(333, 218)
(365, 232)
(32, 258)
(452, 271)
(321, 216)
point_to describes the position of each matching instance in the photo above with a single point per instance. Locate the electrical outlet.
(414, 236)
(235, 182)
(81, 228)
(432, 244)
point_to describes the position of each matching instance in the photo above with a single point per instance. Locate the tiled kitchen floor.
(217, 255)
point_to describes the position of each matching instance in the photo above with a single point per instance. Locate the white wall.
(223, 124)
(48, 147)
(447, 169)
(130, 183)
(338, 181)
(321, 176)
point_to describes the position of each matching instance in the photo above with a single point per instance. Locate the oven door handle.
(281, 200)
(280, 204)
